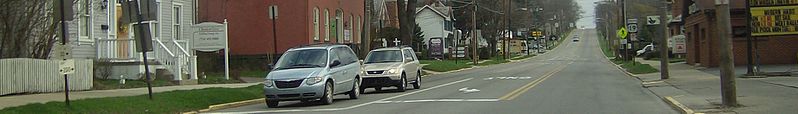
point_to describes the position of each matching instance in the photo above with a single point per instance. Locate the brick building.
(700, 29)
(299, 22)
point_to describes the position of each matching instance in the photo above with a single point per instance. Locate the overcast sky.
(587, 17)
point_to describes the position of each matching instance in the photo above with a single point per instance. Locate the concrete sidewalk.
(19, 100)
(699, 90)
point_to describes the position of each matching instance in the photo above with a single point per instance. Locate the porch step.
(166, 75)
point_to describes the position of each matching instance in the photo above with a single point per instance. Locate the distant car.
(393, 66)
(576, 39)
(534, 46)
(313, 73)
(647, 48)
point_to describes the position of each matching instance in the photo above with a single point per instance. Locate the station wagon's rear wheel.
(328, 94)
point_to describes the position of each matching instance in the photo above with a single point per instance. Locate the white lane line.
(350, 107)
(440, 100)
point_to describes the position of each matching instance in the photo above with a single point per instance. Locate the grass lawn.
(636, 67)
(672, 60)
(166, 102)
(217, 79)
(494, 60)
(105, 84)
(445, 65)
(250, 73)
(607, 51)
(522, 57)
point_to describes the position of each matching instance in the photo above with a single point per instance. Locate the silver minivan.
(315, 72)
(391, 67)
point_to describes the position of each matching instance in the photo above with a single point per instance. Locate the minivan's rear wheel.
(417, 84)
(328, 94)
(355, 92)
(403, 84)
(272, 103)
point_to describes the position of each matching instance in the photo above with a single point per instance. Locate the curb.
(227, 105)
(675, 104)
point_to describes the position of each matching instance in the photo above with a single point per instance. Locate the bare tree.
(407, 20)
(27, 28)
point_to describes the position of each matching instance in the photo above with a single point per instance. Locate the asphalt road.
(573, 78)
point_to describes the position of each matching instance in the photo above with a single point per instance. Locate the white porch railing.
(175, 58)
(171, 54)
(117, 49)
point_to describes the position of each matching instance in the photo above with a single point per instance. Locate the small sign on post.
(631, 24)
(622, 33)
(653, 20)
(66, 65)
(679, 44)
(142, 31)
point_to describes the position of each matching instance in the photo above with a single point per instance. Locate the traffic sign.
(62, 52)
(631, 24)
(653, 20)
(66, 66)
(622, 33)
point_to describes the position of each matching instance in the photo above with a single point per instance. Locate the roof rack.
(317, 45)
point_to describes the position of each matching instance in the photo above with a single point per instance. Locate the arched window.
(359, 28)
(326, 25)
(351, 29)
(316, 24)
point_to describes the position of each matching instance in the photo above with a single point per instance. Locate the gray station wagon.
(393, 66)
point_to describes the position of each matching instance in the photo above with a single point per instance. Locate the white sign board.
(653, 20)
(66, 66)
(679, 44)
(209, 36)
(61, 52)
(460, 52)
(631, 25)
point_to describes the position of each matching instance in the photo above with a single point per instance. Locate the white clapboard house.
(96, 34)
(435, 21)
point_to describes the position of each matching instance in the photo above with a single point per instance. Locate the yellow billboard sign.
(758, 3)
(777, 20)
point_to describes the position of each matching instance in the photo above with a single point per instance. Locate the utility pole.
(748, 43)
(663, 43)
(136, 10)
(625, 54)
(64, 42)
(273, 16)
(509, 30)
(366, 39)
(474, 55)
(727, 83)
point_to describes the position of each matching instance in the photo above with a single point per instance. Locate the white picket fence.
(22, 75)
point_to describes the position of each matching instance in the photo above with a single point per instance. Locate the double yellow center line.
(515, 93)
